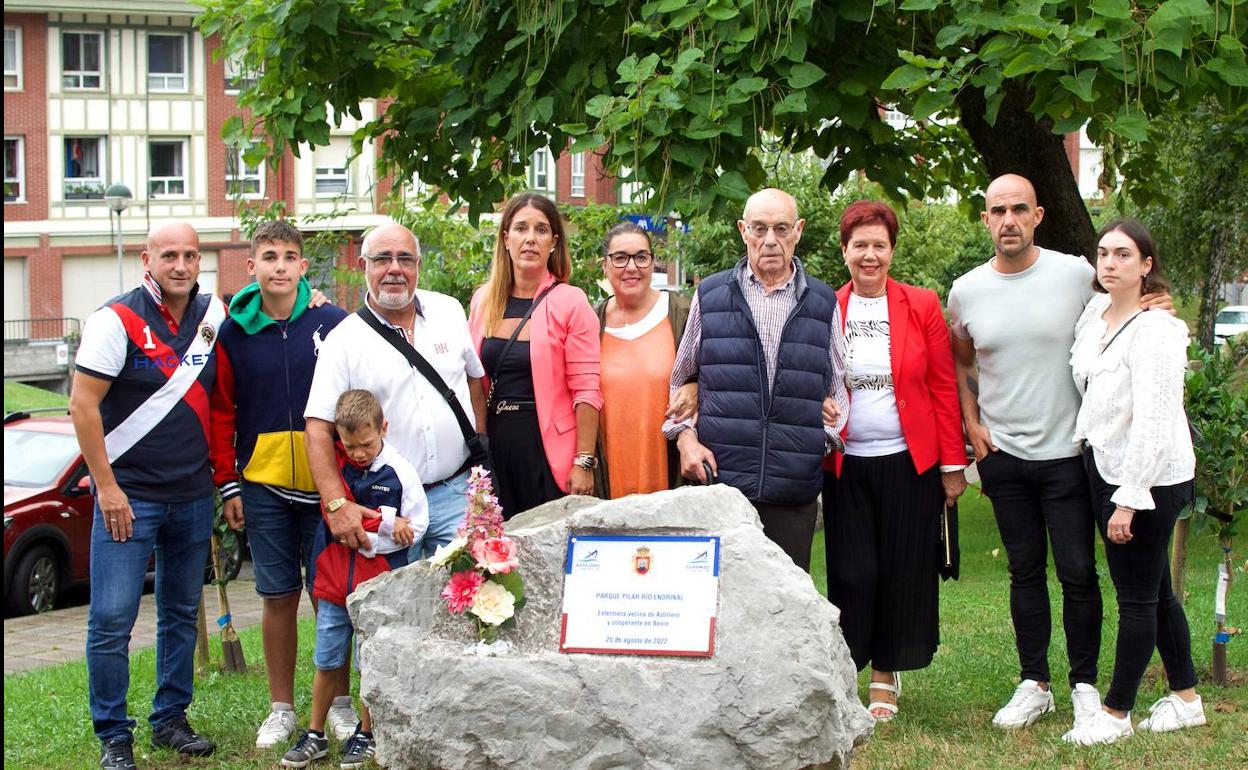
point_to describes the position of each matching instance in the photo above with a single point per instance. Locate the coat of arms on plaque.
(641, 561)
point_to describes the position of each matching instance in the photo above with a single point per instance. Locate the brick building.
(98, 92)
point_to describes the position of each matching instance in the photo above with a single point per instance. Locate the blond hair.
(356, 409)
(502, 279)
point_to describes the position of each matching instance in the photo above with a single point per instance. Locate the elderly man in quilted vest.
(764, 343)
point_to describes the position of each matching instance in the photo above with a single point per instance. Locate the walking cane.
(231, 647)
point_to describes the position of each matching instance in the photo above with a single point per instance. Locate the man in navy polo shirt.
(140, 398)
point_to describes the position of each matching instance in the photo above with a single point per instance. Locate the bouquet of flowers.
(483, 562)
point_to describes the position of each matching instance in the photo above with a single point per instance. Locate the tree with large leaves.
(683, 93)
(1194, 175)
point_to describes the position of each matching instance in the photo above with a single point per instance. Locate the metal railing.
(40, 329)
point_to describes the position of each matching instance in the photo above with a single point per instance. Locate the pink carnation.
(497, 554)
(461, 589)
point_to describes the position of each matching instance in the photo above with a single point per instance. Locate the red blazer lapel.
(898, 326)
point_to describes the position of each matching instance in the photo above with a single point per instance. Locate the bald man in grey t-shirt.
(1015, 317)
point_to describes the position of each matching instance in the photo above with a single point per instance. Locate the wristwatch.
(586, 460)
(333, 505)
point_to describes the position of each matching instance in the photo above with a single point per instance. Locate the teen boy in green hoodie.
(267, 351)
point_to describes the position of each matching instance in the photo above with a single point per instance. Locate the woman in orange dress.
(641, 327)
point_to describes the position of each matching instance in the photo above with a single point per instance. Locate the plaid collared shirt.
(771, 310)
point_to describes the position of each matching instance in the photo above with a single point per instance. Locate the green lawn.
(18, 397)
(944, 722)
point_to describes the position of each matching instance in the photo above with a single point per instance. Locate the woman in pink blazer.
(542, 412)
(903, 461)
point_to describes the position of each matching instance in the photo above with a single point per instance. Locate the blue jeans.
(448, 501)
(334, 632)
(281, 534)
(179, 534)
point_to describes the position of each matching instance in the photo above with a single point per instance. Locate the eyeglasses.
(641, 259)
(406, 261)
(759, 230)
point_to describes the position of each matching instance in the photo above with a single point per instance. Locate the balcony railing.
(40, 329)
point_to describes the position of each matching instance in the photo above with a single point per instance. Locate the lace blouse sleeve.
(1156, 361)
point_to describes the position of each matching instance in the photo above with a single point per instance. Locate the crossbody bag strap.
(419, 363)
(1121, 329)
(498, 365)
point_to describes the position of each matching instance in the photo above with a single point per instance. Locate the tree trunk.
(1178, 556)
(1019, 144)
(1210, 290)
(1218, 668)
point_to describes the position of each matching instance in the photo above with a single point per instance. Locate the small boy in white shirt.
(378, 478)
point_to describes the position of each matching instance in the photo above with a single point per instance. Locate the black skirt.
(882, 534)
(522, 476)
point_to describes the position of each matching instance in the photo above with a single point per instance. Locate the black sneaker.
(117, 754)
(177, 734)
(357, 750)
(309, 747)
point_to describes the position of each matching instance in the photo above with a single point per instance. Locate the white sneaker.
(1173, 713)
(1101, 727)
(1027, 705)
(277, 728)
(1087, 703)
(342, 719)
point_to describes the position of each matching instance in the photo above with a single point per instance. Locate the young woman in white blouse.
(1138, 453)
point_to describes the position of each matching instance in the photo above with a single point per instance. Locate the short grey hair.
(370, 234)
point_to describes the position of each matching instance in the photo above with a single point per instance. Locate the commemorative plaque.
(640, 594)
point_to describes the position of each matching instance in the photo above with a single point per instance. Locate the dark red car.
(47, 514)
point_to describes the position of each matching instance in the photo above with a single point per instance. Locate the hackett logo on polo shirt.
(169, 362)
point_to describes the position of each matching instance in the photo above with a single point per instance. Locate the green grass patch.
(18, 396)
(946, 709)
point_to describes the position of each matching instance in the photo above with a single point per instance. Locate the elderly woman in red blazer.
(538, 339)
(903, 461)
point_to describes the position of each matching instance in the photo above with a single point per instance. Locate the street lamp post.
(118, 197)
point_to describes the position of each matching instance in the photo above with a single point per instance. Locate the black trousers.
(791, 527)
(1038, 503)
(881, 523)
(1149, 614)
(522, 477)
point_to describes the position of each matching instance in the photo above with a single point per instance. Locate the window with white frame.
(333, 167)
(12, 58)
(242, 179)
(540, 165)
(84, 168)
(166, 62)
(14, 170)
(895, 118)
(578, 175)
(166, 176)
(81, 59)
(238, 75)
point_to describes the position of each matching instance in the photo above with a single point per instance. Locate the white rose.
(445, 554)
(493, 604)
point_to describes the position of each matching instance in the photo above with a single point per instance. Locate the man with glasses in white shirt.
(423, 426)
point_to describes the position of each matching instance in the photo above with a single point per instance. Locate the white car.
(1231, 321)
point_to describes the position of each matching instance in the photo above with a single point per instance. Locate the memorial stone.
(778, 692)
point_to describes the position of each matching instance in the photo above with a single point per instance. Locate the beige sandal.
(890, 708)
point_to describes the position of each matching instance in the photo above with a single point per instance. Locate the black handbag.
(478, 444)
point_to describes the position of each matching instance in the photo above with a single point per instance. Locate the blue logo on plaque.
(699, 563)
